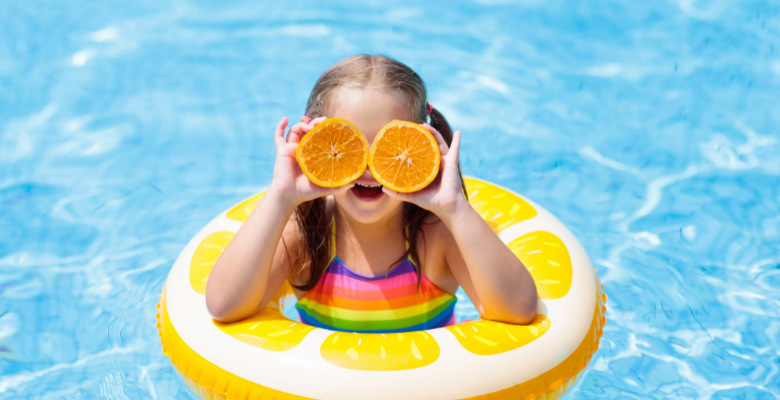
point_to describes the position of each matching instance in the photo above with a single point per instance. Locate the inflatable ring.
(271, 356)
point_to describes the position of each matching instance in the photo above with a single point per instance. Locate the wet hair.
(360, 72)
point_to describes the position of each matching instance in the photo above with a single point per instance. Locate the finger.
(443, 147)
(452, 155)
(314, 122)
(408, 197)
(302, 128)
(296, 132)
(321, 191)
(340, 190)
(279, 133)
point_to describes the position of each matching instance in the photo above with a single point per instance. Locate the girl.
(362, 257)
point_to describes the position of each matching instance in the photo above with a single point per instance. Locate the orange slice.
(333, 154)
(404, 157)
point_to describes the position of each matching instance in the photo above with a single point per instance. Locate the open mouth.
(367, 192)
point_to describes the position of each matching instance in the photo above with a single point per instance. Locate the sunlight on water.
(649, 129)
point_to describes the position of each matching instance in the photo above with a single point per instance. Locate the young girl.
(362, 257)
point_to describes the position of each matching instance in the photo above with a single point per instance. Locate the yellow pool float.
(271, 356)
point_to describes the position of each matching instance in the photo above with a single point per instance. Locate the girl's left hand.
(444, 196)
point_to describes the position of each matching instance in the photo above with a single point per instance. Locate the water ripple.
(649, 128)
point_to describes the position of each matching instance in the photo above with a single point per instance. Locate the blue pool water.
(649, 129)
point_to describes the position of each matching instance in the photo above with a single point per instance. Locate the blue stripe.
(338, 267)
(440, 320)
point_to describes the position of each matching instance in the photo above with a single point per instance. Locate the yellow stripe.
(333, 238)
(375, 315)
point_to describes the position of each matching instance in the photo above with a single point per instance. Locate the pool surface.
(651, 130)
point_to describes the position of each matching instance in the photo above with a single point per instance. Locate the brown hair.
(362, 71)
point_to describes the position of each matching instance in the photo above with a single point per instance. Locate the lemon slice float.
(271, 356)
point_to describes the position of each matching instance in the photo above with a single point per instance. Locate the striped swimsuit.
(344, 300)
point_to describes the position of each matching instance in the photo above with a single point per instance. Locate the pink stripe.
(409, 278)
(427, 290)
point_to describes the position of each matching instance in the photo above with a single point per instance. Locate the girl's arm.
(256, 262)
(496, 281)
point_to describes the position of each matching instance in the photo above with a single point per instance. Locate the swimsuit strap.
(333, 237)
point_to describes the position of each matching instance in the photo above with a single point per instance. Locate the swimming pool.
(650, 130)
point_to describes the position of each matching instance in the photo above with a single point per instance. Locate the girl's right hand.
(289, 182)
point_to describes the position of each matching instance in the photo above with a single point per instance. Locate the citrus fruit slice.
(380, 351)
(547, 259)
(498, 207)
(204, 258)
(489, 337)
(269, 329)
(404, 157)
(333, 154)
(241, 212)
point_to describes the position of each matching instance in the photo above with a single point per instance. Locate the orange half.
(333, 154)
(404, 157)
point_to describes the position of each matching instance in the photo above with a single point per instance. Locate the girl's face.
(370, 110)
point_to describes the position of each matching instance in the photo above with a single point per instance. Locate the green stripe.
(337, 310)
(373, 325)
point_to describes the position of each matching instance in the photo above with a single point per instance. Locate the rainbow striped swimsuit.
(344, 300)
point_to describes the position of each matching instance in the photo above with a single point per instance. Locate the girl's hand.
(444, 196)
(289, 182)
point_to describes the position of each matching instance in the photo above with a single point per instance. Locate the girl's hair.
(360, 72)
